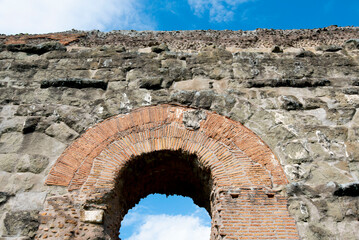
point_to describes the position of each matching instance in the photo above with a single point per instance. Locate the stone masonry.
(260, 127)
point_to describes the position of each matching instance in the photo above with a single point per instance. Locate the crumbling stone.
(160, 48)
(291, 103)
(192, 119)
(151, 83)
(61, 132)
(8, 162)
(4, 197)
(32, 163)
(30, 124)
(351, 44)
(23, 223)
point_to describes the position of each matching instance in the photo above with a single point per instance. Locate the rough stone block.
(11, 142)
(8, 162)
(28, 201)
(32, 163)
(21, 223)
(61, 132)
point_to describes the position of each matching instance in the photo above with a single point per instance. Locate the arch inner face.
(166, 172)
(158, 216)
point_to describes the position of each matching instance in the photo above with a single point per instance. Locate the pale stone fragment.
(92, 216)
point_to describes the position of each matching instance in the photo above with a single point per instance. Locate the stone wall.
(297, 90)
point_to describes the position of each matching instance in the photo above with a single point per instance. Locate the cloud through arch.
(162, 217)
(175, 227)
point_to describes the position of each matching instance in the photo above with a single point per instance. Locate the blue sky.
(41, 16)
(162, 218)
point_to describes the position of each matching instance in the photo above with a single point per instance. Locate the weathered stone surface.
(36, 49)
(299, 210)
(151, 83)
(297, 152)
(203, 99)
(291, 103)
(3, 197)
(30, 124)
(41, 144)
(314, 103)
(296, 172)
(303, 54)
(24, 66)
(8, 162)
(265, 118)
(341, 116)
(28, 201)
(200, 83)
(160, 48)
(23, 223)
(61, 132)
(322, 173)
(352, 44)
(18, 182)
(335, 211)
(352, 150)
(212, 55)
(32, 163)
(14, 124)
(183, 97)
(319, 231)
(296, 189)
(10, 142)
(192, 119)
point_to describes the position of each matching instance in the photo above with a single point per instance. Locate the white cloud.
(219, 10)
(41, 16)
(178, 227)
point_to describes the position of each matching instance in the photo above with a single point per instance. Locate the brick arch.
(244, 171)
(237, 154)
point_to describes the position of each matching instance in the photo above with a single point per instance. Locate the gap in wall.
(161, 217)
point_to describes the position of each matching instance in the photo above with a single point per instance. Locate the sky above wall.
(42, 16)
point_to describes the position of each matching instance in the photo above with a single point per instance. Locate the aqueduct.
(259, 127)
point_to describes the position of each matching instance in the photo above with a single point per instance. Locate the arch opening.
(158, 216)
(164, 172)
(223, 166)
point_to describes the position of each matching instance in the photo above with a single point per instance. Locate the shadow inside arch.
(165, 172)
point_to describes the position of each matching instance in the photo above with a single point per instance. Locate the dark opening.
(165, 172)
